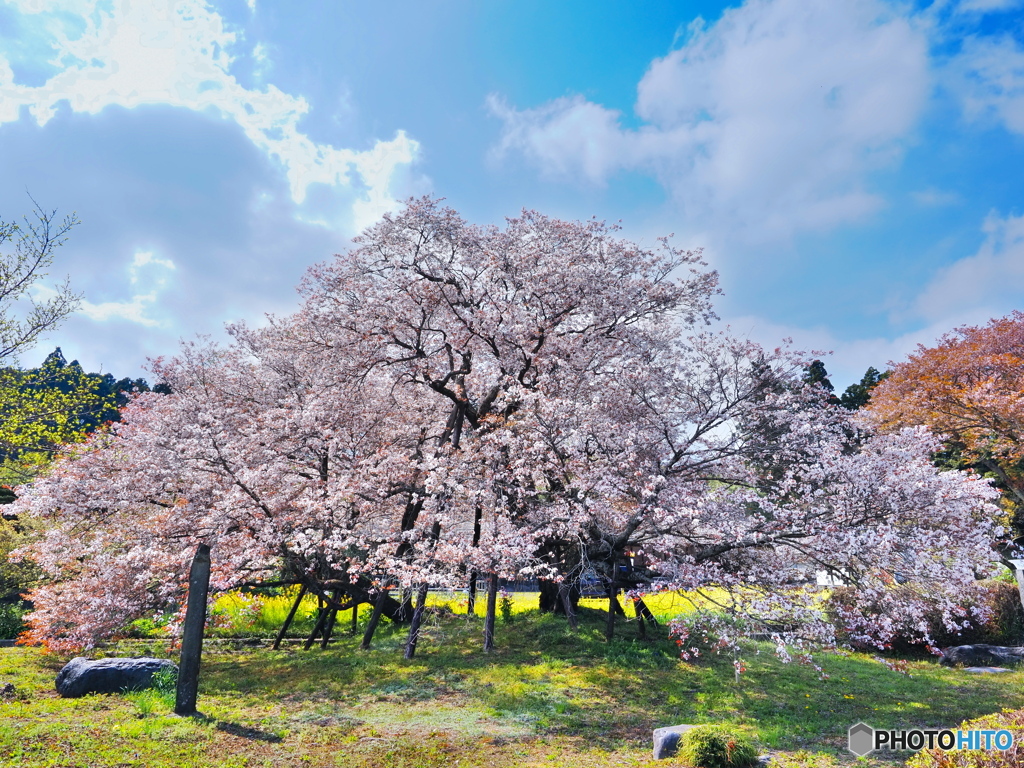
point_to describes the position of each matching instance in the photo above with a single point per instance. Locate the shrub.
(714, 747)
(1000, 599)
(506, 607)
(10, 621)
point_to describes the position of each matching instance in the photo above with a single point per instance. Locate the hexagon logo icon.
(861, 739)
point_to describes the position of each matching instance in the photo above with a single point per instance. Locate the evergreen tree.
(857, 396)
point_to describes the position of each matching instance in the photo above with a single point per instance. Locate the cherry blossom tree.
(534, 400)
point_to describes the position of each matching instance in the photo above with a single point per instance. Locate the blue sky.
(853, 168)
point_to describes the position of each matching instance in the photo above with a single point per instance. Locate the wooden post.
(192, 636)
(321, 622)
(492, 604)
(641, 630)
(613, 602)
(371, 626)
(417, 619)
(331, 618)
(355, 618)
(471, 594)
(291, 615)
(564, 594)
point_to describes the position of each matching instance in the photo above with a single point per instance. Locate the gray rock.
(666, 740)
(82, 676)
(982, 656)
(986, 670)
(8, 691)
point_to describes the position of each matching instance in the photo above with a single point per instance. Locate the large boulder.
(982, 656)
(82, 676)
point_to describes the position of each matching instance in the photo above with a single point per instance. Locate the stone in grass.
(982, 656)
(82, 676)
(666, 740)
(8, 691)
(986, 670)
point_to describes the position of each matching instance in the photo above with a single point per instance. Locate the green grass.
(547, 696)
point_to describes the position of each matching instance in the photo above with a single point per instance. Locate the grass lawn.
(547, 696)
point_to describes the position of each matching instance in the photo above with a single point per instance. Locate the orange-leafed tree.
(968, 388)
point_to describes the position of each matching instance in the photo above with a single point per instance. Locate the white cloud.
(567, 137)
(987, 6)
(768, 120)
(176, 52)
(133, 311)
(986, 284)
(144, 258)
(147, 274)
(988, 75)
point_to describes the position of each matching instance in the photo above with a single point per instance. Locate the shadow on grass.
(237, 729)
(245, 732)
(546, 679)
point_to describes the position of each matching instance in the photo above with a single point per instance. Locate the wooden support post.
(471, 594)
(331, 618)
(291, 616)
(417, 619)
(613, 603)
(641, 629)
(321, 620)
(492, 605)
(355, 618)
(371, 627)
(564, 594)
(192, 636)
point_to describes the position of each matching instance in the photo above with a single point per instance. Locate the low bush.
(710, 746)
(999, 599)
(11, 624)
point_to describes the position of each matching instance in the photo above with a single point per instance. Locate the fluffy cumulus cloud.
(178, 53)
(767, 122)
(986, 284)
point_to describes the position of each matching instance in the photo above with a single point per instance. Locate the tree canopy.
(968, 388)
(856, 396)
(534, 400)
(27, 250)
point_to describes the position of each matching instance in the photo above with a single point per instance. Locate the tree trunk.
(371, 627)
(291, 615)
(417, 619)
(551, 600)
(641, 630)
(613, 603)
(492, 605)
(471, 596)
(566, 601)
(392, 609)
(192, 636)
(355, 619)
(473, 575)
